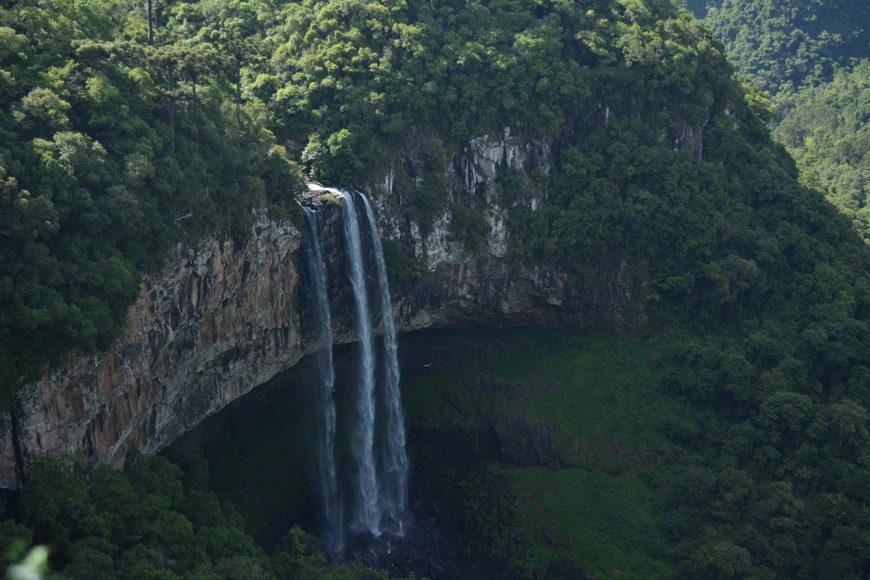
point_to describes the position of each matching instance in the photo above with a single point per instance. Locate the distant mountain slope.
(781, 45)
(812, 59)
(827, 130)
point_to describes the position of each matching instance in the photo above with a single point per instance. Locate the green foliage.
(700, 456)
(780, 46)
(402, 270)
(298, 556)
(589, 407)
(95, 517)
(467, 225)
(826, 128)
(333, 161)
(150, 521)
(383, 71)
(602, 521)
(742, 439)
(15, 539)
(113, 148)
(811, 59)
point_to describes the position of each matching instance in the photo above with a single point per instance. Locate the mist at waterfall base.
(361, 466)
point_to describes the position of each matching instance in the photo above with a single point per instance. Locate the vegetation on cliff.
(124, 130)
(113, 147)
(122, 135)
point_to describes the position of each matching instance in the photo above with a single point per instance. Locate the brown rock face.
(219, 320)
(224, 317)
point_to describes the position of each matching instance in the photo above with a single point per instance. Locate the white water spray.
(333, 519)
(367, 513)
(393, 461)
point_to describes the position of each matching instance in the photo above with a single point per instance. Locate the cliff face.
(224, 317)
(217, 321)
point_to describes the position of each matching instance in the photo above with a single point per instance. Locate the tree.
(55, 503)
(722, 559)
(232, 28)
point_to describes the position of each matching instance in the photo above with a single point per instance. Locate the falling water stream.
(332, 516)
(366, 515)
(374, 480)
(393, 461)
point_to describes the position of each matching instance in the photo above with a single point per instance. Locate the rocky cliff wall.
(217, 321)
(224, 317)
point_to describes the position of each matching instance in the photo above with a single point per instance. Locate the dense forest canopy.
(811, 58)
(781, 45)
(123, 135)
(113, 148)
(152, 521)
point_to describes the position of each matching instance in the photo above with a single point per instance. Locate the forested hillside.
(117, 141)
(782, 45)
(827, 130)
(121, 137)
(811, 58)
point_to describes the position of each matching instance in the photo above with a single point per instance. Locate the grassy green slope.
(604, 522)
(608, 418)
(643, 455)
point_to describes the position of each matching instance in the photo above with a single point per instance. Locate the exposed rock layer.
(224, 317)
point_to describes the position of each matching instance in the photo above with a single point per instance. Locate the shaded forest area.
(152, 521)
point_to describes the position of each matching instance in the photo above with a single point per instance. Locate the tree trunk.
(171, 108)
(239, 91)
(195, 116)
(150, 9)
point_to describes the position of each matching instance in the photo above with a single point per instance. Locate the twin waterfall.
(369, 489)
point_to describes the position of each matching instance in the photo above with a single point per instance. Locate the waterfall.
(367, 516)
(393, 461)
(315, 269)
(376, 483)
